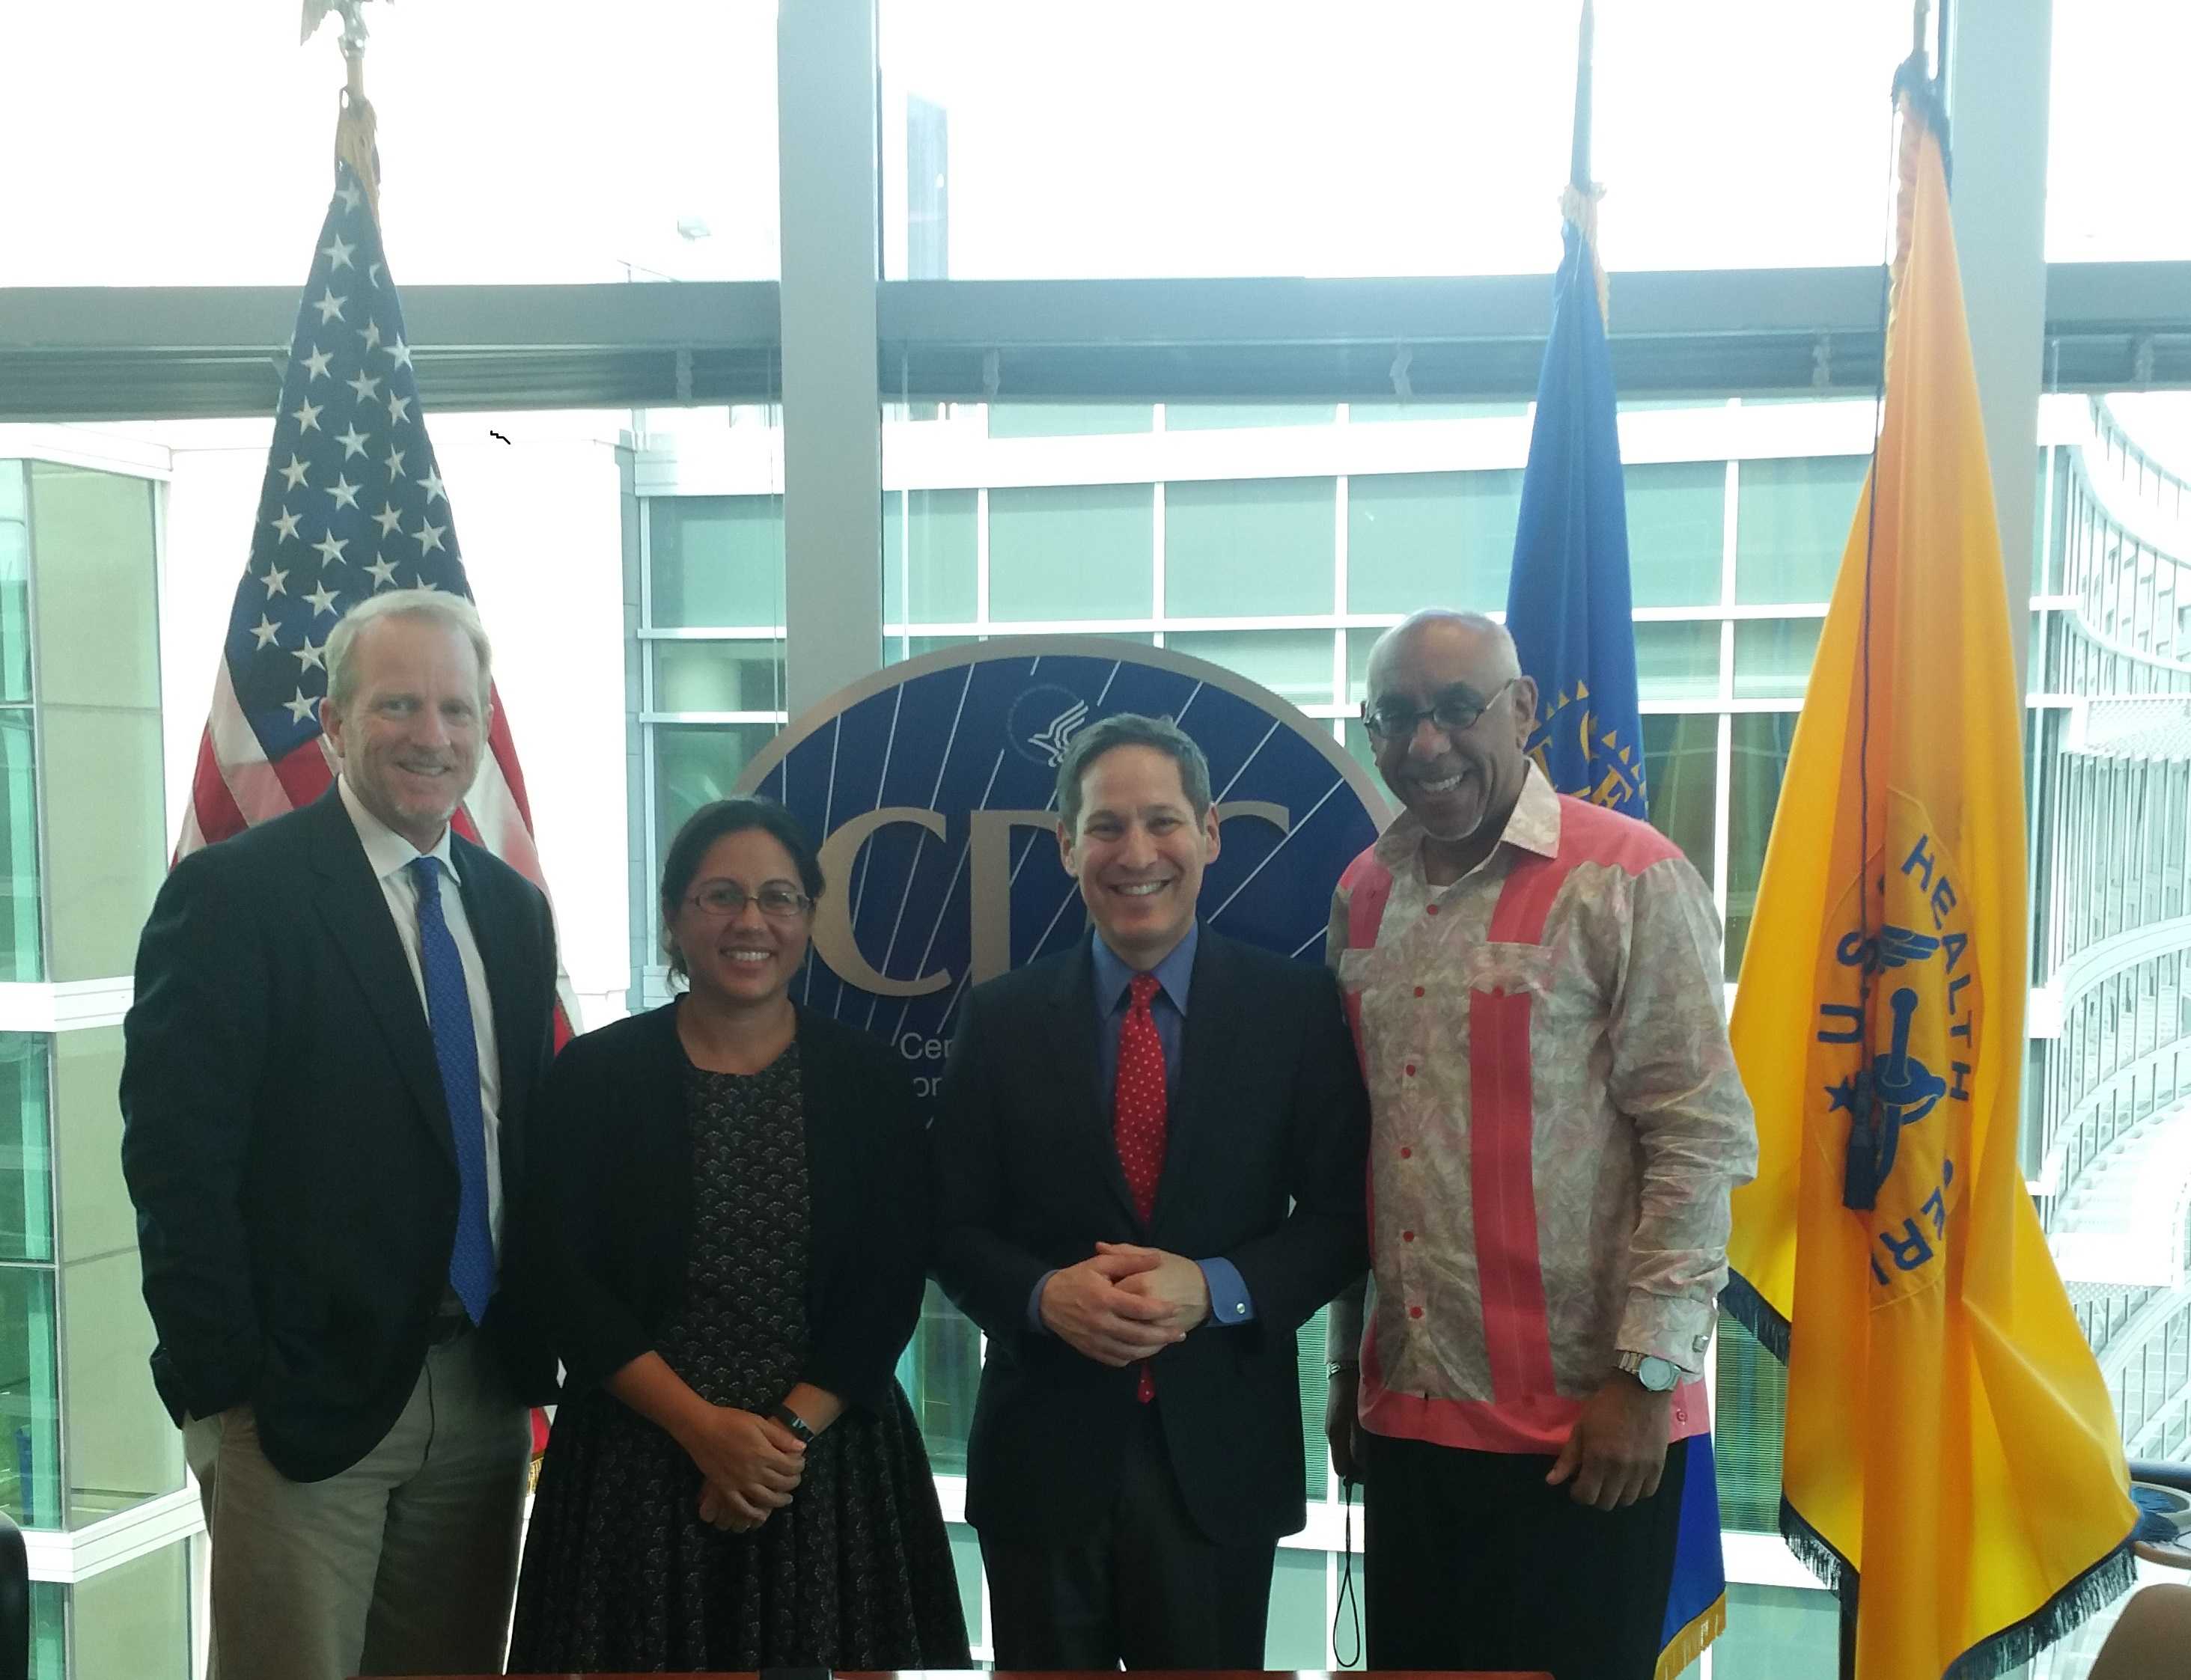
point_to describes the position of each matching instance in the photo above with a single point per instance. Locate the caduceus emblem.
(1052, 739)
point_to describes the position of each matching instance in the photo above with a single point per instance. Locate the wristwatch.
(1658, 1376)
(791, 1421)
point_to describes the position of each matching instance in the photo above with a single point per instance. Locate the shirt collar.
(1533, 824)
(386, 850)
(1174, 974)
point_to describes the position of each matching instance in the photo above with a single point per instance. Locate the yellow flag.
(1951, 1444)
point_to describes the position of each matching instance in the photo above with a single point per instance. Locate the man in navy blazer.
(1148, 1173)
(340, 1018)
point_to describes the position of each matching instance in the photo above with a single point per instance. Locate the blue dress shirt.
(1229, 1300)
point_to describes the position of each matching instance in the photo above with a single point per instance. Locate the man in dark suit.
(1148, 1175)
(340, 1016)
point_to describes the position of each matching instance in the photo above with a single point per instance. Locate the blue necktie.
(456, 1049)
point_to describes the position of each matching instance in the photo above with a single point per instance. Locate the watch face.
(1658, 1375)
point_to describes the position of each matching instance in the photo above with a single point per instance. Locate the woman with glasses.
(736, 1188)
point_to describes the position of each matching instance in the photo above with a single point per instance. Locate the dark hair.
(1131, 729)
(709, 823)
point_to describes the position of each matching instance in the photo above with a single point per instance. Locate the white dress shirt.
(392, 856)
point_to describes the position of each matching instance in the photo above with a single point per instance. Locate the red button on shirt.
(1411, 1070)
(1406, 1236)
(1432, 910)
(1414, 1312)
(1406, 1153)
(1419, 991)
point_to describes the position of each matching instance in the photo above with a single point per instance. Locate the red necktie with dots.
(1138, 1115)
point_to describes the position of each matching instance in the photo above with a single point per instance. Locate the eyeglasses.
(777, 902)
(1454, 711)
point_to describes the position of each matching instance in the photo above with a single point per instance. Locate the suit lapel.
(354, 912)
(1077, 1072)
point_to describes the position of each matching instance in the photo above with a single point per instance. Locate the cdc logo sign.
(933, 784)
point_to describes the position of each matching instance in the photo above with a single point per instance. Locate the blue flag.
(1568, 601)
(1568, 606)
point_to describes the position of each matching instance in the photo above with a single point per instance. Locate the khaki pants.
(404, 1564)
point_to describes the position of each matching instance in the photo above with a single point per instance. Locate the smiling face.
(1138, 852)
(748, 958)
(411, 734)
(1457, 782)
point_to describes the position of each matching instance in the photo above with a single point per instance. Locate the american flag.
(353, 503)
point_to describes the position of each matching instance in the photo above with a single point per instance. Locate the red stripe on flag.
(211, 803)
(305, 773)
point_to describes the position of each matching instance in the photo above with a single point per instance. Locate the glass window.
(26, 1216)
(134, 1619)
(694, 763)
(105, 834)
(1792, 520)
(930, 556)
(1294, 664)
(21, 955)
(1677, 660)
(1068, 419)
(717, 561)
(1429, 539)
(1379, 412)
(1297, 1638)
(2116, 92)
(718, 676)
(1257, 547)
(1676, 532)
(1215, 417)
(1773, 657)
(659, 161)
(14, 583)
(29, 1412)
(122, 1447)
(92, 542)
(1324, 141)
(1681, 764)
(941, 1371)
(1777, 1633)
(1072, 551)
(1760, 760)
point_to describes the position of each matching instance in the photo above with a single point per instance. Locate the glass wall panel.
(718, 676)
(134, 1619)
(14, 583)
(1681, 762)
(1429, 539)
(930, 555)
(1259, 547)
(30, 1409)
(1072, 551)
(22, 956)
(1069, 419)
(1777, 1633)
(1676, 532)
(694, 763)
(1214, 416)
(1791, 522)
(715, 561)
(1677, 660)
(105, 834)
(1295, 664)
(92, 537)
(1298, 1636)
(1773, 657)
(27, 1215)
(1762, 740)
(123, 1448)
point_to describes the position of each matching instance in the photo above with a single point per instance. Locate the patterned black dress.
(620, 1572)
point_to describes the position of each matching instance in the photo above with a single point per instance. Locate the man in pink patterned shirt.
(1557, 1125)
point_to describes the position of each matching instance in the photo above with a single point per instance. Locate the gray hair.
(1504, 656)
(453, 611)
(1131, 729)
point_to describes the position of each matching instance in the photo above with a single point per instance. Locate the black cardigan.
(611, 1184)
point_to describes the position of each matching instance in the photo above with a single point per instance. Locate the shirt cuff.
(1674, 1328)
(1229, 1300)
(1035, 1304)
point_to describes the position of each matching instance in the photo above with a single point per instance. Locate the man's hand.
(1085, 1307)
(1342, 1421)
(1617, 1451)
(1176, 1284)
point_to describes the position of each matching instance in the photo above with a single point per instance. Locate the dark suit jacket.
(612, 1185)
(287, 1141)
(1264, 1167)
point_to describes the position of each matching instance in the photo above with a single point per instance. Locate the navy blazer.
(1268, 1138)
(287, 1141)
(611, 1188)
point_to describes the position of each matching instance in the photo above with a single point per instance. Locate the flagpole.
(1578, 165)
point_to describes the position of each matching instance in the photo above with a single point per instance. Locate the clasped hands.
(1125, 1303)
(749, 1465)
